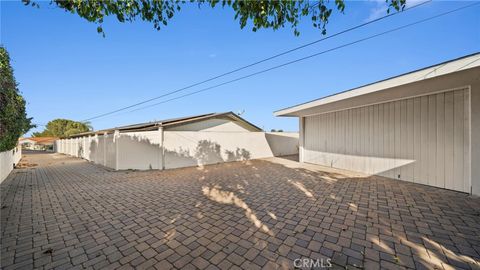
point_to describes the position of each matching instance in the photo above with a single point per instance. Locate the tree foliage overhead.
(13, 117)
(62, 128)
(259, 14)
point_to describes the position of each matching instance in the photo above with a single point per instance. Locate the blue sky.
(66, 70)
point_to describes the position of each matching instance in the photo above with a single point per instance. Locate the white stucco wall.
(110, 151)
(143, 150)
(139, 150)
(283, 143)
(7, 160)
(190, 148)
(86, 147)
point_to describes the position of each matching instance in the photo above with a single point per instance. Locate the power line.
(310, 56)
(468, 64)
(254, 64)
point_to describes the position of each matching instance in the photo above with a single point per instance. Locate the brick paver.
(67, 213)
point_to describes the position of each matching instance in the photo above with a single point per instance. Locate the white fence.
(8, 160)
(175, 149)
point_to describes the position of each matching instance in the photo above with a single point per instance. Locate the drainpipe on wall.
(162, 149)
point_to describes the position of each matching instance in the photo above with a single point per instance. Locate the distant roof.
(451, 66)
(40, 139)
(172, 122)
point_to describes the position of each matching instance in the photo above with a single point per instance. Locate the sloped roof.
(458, 65)
(40, 140)
(154, 125)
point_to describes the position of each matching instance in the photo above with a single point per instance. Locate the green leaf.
(270, 14)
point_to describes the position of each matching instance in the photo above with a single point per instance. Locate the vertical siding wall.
(423, 139)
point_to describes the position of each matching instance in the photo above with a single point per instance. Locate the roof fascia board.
(457, 65)
(420, 88)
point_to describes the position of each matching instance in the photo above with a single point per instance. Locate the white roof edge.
(451, 66)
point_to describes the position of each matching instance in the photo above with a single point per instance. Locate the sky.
(65, 69)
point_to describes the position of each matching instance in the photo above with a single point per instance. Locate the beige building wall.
(218, 125)
(425, 139)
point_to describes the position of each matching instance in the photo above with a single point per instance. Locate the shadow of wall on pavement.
(388, 217)
(269, 202)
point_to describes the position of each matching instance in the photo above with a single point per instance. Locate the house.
(180, 142)
(422, 127)
(38, 143)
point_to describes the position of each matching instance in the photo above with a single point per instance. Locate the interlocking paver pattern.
(66, 213)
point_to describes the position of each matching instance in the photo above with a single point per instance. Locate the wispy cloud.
(379, 10)
(411, 3)
(212, 55)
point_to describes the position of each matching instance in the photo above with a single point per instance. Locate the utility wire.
(254, 63)
(311, 56)
(468, 64)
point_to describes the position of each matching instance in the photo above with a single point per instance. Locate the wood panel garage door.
(423, 139)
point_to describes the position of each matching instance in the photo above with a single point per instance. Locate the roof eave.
(396, 81)
(170, 123)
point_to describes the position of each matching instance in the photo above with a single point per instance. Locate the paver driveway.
(67, 213)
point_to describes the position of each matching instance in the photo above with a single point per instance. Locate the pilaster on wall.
(161, 159)
(116, 135)
(301, 139)
(96, 158)
(105, 136)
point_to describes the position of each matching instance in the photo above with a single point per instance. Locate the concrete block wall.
(175, 149)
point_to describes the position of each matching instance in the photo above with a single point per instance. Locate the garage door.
(423, 139)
